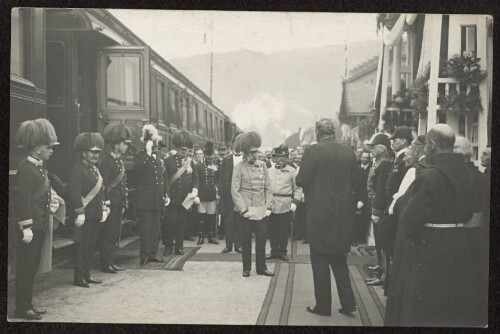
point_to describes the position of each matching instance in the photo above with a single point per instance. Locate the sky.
(178, 34)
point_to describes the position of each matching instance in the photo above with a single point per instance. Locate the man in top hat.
(208, 174)
(151, 195)
(376, 188)
(182, 180)
(286, 197)
(252, 196)
(87, 195)
(116, 135)
(226, 204)
(327, 175)
(32, 201)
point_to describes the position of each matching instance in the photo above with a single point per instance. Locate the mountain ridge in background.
(277, 93)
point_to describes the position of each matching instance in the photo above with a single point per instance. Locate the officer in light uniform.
(32, 201)
(286, 197)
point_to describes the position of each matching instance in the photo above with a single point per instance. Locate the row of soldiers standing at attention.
(98, 194)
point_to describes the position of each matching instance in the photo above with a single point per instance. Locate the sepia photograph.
(270, 168)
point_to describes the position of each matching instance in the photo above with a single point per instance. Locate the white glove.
(149, 147)
(80, 220)
(293, 207)
(268, 213)
(104, 216)
(375, 219)
(196, 200)
(246, 214)
(194, 192)
(360, 205)
(27, 235)
(123, 211)
(54, 205)
(167, 201)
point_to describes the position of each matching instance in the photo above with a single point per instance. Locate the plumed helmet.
(36, 132)
(182, 139)
(209, 149)
(149, 132)
(281, 150)
(115, 133)
(88, 141)
(250, 142)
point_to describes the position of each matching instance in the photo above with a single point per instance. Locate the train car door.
(123, 87)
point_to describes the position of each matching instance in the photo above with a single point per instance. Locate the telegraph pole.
(211, 55)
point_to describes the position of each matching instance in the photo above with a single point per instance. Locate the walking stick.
(216, 218)
(291, 236)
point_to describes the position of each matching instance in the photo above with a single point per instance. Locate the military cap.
(182, 139)
(280, 150)
(250, 142)
(403, 132)
(89, 141)
(381, 139)
(115, 133)
(36, 132)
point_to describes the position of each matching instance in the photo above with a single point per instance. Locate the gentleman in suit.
(226, 204)
(151, 193)
(116, 136)
(182, 179)
(327, 172)
(363, 205)
(267, 158)
(32, 200)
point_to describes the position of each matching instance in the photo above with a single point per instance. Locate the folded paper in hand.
(188, 201)
(257, 212)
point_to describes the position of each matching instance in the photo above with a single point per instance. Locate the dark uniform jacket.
(110, 168)
(30, 177)
(185, 183)
(437, 287)
(208, 175)
(151, 182)
(226, 204)
(83, 179)
(396, 175)
(327, 172)
(363, 180)
(377, 186)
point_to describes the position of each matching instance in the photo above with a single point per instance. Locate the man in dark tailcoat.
(439, 285)
(327, 172)
(226, 204)
(151, 194)
(363, 206)
(182, 181)
(32, 200)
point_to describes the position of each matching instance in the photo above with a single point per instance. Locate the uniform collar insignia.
(35, 161)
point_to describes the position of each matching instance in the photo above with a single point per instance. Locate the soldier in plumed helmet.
(182, 181)
(208, 173)
(87, 196)
(252, 196)
(151, 196)
(286, 197)
(116, 136)
(32, 200)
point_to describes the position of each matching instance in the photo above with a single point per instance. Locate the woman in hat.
(116, 136)
(252, 196)
(87, 196)
(32, 200)
(208, 173)
(182, 179)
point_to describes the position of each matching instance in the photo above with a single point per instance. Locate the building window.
(160, 89)
(197, 116)
(16, 45)
(123, 81)
(474, 137)
(57, 78)
(205, 122)
(441, 116)
(468, 39)
(461, 125)
(443, 54)
(211, 126)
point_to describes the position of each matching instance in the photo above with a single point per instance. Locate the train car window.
(123, 81)
(16, 46)
(160, 88)
(56, 80)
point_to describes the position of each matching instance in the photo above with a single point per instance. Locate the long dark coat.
(327, 172)
(226, 204)
(151, 181)
(433, 281)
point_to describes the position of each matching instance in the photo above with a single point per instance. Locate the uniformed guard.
(87, 196)
(286, 197)
(151, 194)
(116, 135)
(251, 192)
(182, 181)
(208, 173)
(32, 200)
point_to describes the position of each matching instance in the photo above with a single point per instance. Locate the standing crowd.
(427, 203)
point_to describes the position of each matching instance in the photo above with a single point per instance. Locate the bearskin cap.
(209, 149)
(88, 141)
(250, 142)
(36, 132)
(115, 133)
(237, 143)
(149, 132)
(182, 139)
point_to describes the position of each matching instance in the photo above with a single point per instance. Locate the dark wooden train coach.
(83, 69)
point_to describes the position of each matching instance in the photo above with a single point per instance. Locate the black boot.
(211, 240)
(201, 239)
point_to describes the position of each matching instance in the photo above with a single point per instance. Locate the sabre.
(291, 236)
